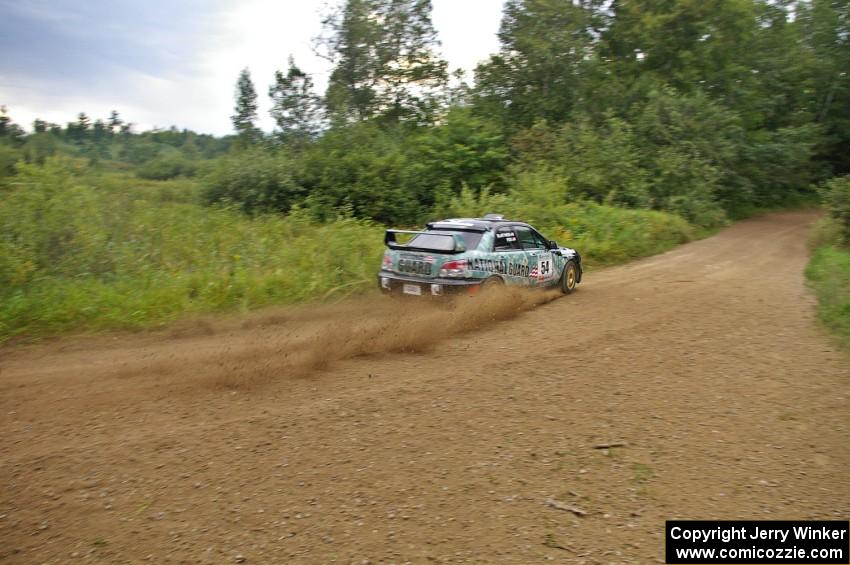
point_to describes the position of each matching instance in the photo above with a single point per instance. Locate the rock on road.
(705, 364)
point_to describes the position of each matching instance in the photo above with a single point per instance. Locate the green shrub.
(8, 157)
(254, 181)
(167, 166)
(603, 234)
(598, 163)
(363, 168)
(836, 198)
(463, 149)
(829, 275)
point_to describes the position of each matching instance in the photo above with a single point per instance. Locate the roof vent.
(494, 217)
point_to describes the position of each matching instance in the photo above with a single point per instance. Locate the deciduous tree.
(295, 107)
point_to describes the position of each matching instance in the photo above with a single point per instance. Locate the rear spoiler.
(443, 242)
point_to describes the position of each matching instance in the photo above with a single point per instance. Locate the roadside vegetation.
(829, 267)
(85, 250)
(621, 130)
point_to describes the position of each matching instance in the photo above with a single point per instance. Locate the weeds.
(829, 275)
(82, 250)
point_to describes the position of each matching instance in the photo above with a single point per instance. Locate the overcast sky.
(164, 62)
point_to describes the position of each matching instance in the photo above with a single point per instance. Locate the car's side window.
(529, 239)
(542, 241)
(506, 240)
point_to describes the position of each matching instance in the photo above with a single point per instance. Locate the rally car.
(468, 254)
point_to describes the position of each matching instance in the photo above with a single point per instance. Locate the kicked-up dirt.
(384, 431)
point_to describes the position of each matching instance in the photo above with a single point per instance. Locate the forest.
(622, 127)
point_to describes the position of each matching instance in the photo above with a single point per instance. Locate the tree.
(546, 46)
(114, 122)
(38, 147)
(99, 131)
(77, 131)
(9, 130)
(413, 76)
(602, 163)
(463, 150)
(83, 122)
(246, 109)
(385, 62)
(689, 44)
(362, 168)
(825, 29)
(295, 107)
(5, 121)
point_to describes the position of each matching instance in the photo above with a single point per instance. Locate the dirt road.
(378, 432)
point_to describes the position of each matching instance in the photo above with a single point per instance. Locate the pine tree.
(83, 122)
(114, 122)
(99, 131)
(295, 107)
(246, 109)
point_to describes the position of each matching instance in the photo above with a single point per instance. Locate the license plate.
(412, 289)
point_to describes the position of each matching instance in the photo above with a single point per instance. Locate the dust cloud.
(297, 341)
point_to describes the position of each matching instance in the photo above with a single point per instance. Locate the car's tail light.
(455, 269)
(388, 262)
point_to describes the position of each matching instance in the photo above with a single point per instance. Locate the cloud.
(467, 30)
(260, 35)
(161, 63)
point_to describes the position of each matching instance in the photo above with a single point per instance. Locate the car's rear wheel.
(569, 277)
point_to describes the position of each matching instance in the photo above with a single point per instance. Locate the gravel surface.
(692, 385)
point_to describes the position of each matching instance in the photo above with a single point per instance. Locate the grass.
(82, 250)
(828, 273)
(606, 235)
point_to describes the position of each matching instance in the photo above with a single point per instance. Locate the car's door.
(543, 271)
(510, 259)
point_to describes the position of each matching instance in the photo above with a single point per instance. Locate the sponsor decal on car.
(513, 251)
(500, 266)
(508, 236)
(416, 265)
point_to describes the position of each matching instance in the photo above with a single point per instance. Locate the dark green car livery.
(462, 254)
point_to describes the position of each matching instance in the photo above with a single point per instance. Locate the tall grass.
(829, 275)
(82, 251)
(79, 251)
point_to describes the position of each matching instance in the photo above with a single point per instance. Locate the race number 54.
(544, 266)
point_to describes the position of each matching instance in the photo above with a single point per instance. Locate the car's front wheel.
(569, 277)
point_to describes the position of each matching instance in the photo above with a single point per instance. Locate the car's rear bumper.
(393, 283)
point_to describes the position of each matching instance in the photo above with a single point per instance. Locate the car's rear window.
(442, 243)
